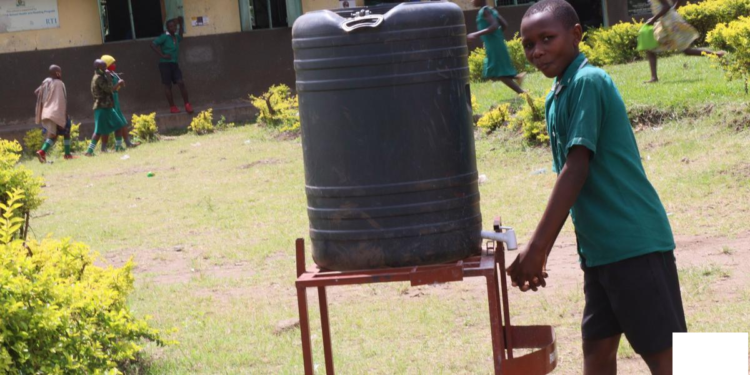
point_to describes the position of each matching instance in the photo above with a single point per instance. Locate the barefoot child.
(672, 33)
(52, 112)
(106, 119)
(111, 67)
(497, 65)
(167, 46)
(625, 242)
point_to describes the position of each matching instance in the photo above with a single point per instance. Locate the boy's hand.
(528, 268)
(471, 37)
(166, 56)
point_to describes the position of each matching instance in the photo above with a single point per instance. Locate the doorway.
(590, 13)
(136, 19)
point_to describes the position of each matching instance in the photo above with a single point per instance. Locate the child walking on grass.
(52, 112)
(106, 119)
(672, 33)
(625, 242)
(111, 69)
(498, 65)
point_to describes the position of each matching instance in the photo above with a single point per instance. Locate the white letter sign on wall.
(20, 15)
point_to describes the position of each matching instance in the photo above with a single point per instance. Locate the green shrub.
(612, 45)
(203, 123)
(144, 127)
(61, 313)
(13, 176)
(706, 15)
(530, 119)
(222, 124)
(735, 38)
(494, 118)
(518, 56)
(476, 64)
(278, 108)
(33, 141)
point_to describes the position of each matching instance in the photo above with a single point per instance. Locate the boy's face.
(548, 44)
(171, 27)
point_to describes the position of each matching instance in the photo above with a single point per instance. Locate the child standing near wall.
(52, 112)
(498, 65)
(625, 242)
(167, 46)
(106, 120)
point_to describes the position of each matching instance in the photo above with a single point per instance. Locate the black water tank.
(387, 135)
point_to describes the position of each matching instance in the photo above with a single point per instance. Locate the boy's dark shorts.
(64, 131)
(170, 73)
(639, 297)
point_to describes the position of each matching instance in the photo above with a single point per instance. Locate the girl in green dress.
(111, 67)
(497, 65)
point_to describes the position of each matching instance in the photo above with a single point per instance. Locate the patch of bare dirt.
(176, 265)
(270, 161)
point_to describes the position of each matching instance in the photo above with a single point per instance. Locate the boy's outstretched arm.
(528, 266)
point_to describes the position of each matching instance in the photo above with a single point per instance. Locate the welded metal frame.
(505, 337)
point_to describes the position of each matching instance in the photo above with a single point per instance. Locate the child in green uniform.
(106, 119)
(167, 46)
(497, 65)
(625, 242)
(111, 67)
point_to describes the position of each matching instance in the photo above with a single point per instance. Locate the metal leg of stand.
(304, 319)
(500, 254)
(304, 327)
(498, 350)
(326, 329)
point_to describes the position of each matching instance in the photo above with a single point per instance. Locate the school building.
(232, 48)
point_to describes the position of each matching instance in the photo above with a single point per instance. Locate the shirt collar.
(570, 72)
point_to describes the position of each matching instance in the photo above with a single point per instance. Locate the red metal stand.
(504, 337)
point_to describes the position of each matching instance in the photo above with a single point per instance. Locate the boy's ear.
(577, 31)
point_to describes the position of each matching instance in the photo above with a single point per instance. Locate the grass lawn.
(213, 236)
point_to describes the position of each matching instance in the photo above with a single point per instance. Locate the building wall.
(79, 26)
(218, 69)
(311, 5)
(223, 16)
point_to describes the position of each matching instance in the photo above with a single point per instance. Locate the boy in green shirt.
(625, 242)
(167, 46)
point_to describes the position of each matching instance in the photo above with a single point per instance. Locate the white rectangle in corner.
(710, 353)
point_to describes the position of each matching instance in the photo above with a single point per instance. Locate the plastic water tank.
(388, 144)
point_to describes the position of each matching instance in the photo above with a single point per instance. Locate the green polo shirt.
(618, 214)
(169, 46)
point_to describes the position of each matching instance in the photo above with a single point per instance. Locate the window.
(136, 19)
(268, 14)
(513, 2)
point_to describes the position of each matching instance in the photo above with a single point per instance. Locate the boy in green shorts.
(106, 119)
(625, 242)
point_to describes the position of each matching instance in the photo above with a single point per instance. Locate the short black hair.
(560, 9)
